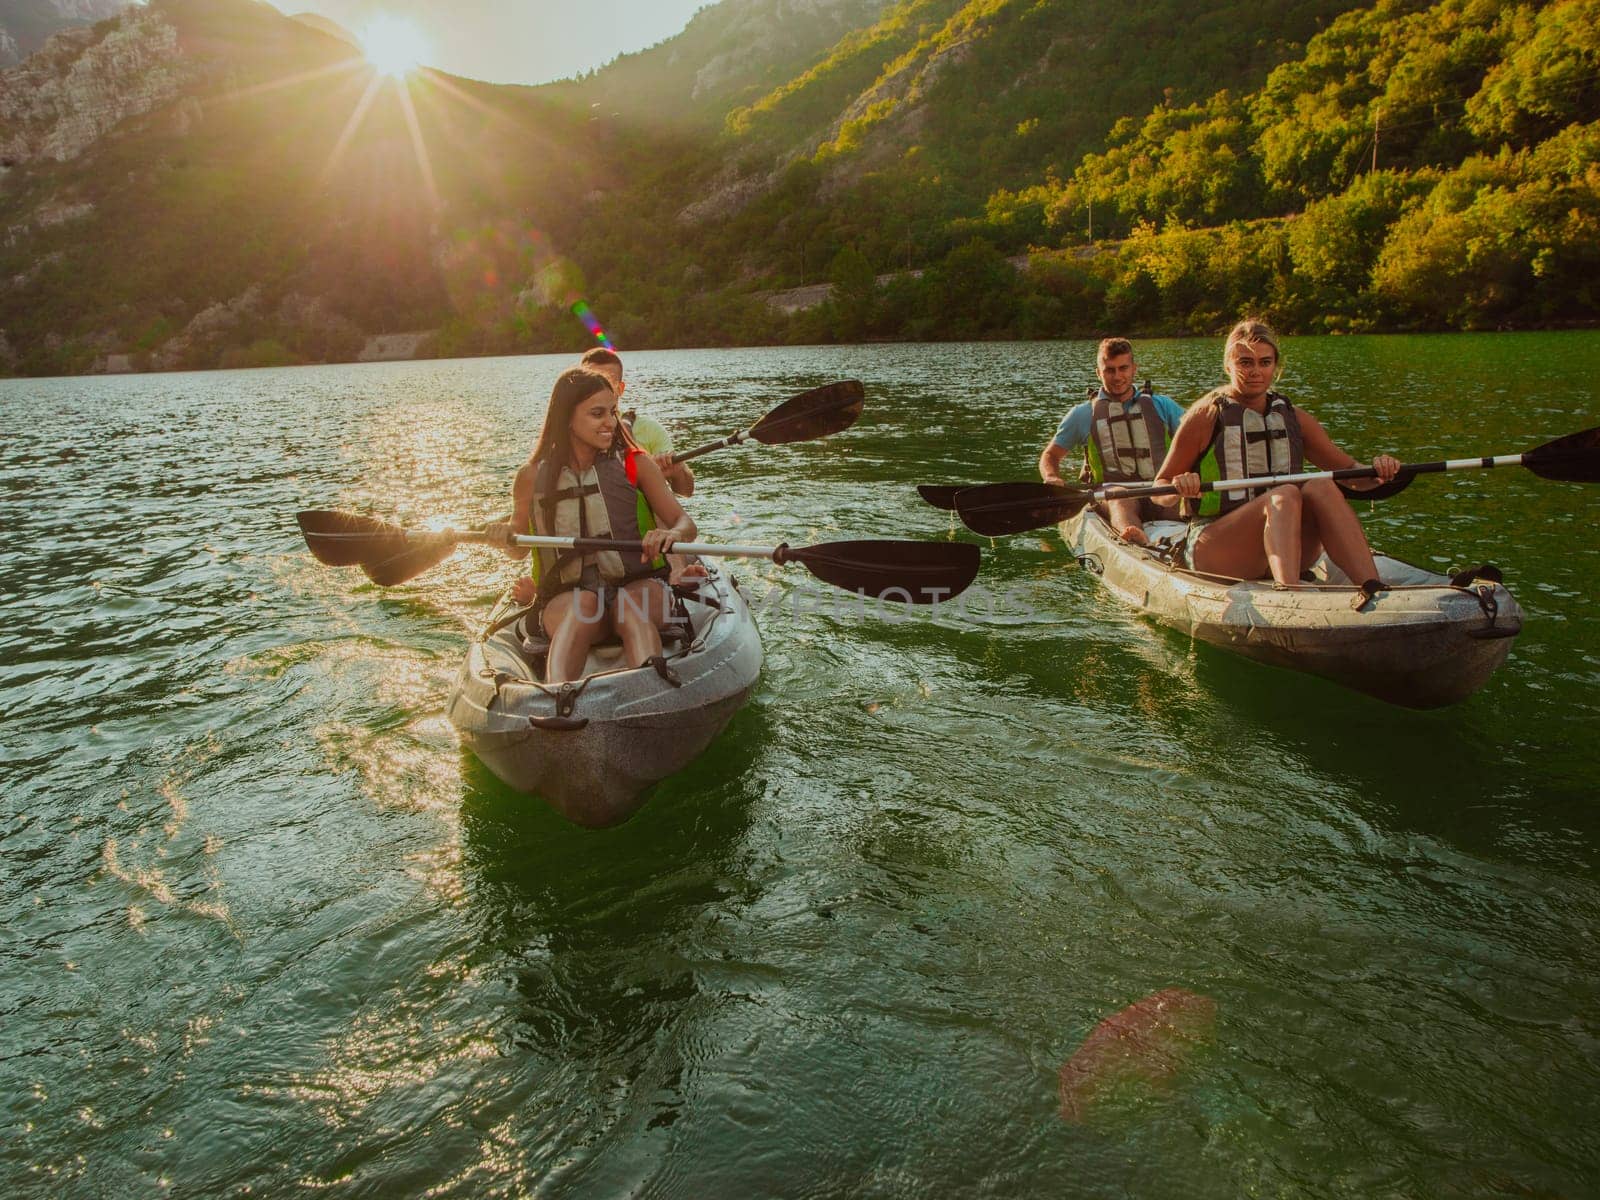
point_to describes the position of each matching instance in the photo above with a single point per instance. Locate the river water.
(269, 931)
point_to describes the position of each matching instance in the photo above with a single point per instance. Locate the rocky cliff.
(25, 25)
(85, 82)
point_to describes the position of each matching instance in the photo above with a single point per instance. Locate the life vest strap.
(548, 503)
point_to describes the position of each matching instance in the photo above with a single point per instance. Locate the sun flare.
(393, 45)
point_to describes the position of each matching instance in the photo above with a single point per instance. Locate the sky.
(518, 41)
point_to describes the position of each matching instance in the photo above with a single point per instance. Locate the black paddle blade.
(814, 414)
(1382, 492)
(911, 572)
(387, 553)
(418, 552)
(994, 509)
(339, 539)
(1571, 459)
(940, 495)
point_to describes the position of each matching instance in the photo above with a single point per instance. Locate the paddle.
(389, 554)
(943, 495)
(994, 509)
(911, 572)
(814, 414)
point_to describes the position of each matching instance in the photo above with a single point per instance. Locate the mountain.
(25, 25)
(208, 182)
(1233, 150)
(328, 26)
(729, 54)
(893, 142)
(206, 178)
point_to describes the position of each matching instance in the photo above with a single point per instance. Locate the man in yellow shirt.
(649, 433)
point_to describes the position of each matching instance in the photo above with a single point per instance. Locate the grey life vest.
(602, 503)
(1128, 441)
(1248, 445)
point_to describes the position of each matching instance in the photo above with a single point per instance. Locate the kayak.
(593, 747)
(1424, 641)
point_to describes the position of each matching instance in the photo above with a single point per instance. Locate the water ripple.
(271, 930)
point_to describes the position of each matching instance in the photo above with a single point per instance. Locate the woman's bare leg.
(1340, 530)
(574, 622)
(1261, 537)
(639, 613)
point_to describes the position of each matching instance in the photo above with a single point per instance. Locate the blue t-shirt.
(1078, 425)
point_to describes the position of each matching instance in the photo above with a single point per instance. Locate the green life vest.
(605, 502)
(1248, 445)
(1127, 442)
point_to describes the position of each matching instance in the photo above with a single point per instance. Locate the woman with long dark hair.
(587, 478)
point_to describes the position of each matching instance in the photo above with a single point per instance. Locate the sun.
(393, 45)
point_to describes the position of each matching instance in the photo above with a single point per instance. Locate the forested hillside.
(884, 156)
(206, 182)
(1412, 165)
(1434, 166)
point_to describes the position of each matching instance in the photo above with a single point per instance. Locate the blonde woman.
(1246, 430)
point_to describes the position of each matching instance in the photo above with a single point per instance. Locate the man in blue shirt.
(1124, 434)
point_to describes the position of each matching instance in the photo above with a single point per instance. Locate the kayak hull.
(1422, 643)
(592, 749)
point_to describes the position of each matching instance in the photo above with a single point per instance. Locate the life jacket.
(1127, 442)
(1248, 445)
(605, 502)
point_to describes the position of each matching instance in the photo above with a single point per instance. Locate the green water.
(270, 932)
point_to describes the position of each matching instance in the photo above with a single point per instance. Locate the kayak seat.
(1156, 530)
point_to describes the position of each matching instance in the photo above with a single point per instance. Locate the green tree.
(855, 294)
(1551, 78)
(1333, 245)
(973, 290)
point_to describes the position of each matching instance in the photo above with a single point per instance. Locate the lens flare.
(393, 45)
(479, 263)
(592, 324)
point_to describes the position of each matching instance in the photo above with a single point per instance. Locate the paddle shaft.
(1118, 491)
(733, 439)
(803, 418)
(711, 549)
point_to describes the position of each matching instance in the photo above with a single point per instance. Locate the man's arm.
(1072, 433)
(653, 437)
(680, 476)
(1050, 463)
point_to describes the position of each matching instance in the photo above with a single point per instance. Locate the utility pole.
(1377, 124)
(1091, 218)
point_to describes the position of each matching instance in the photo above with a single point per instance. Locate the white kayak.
(593, 747)
(1421, 642)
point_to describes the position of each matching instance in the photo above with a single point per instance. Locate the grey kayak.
(592, 748)
(1422, 642)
